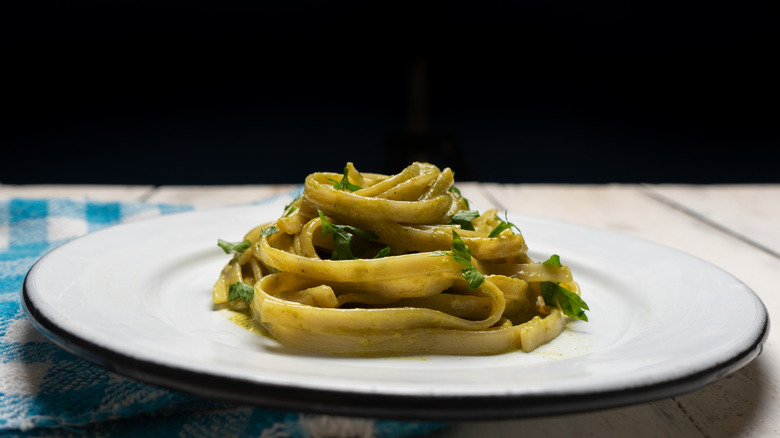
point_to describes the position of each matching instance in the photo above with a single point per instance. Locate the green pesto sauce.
(244, 320)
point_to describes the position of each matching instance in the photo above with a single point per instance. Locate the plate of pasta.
(389, 296)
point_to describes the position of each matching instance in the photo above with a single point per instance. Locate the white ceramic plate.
(136, 299)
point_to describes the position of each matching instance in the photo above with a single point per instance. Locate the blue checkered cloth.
(45, 390)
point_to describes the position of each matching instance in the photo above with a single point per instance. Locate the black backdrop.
(233, 93)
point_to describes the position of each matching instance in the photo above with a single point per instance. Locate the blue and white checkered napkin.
(45, 390)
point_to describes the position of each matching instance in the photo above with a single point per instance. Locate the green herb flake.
(290, 208)
(473, 277)
(570, 303)
(462, 254)
(230, 247)
(460, 251)
(269, 230)
(455, 190)
(464, 218)
(502, 225)
(342, 237)
(241, 290)
(384, 252)
(554, 260)
(344, 183)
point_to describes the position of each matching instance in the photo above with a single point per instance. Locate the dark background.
(240, 93)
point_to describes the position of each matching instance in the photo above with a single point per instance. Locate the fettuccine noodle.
(309, 289)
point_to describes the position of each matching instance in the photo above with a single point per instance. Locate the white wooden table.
(736, 227)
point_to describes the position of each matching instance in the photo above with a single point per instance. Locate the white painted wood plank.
(752, 211)
(89, 192)
(216, 195)
(746, 404)
(648, 420)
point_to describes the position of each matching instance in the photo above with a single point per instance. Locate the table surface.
(736, 227)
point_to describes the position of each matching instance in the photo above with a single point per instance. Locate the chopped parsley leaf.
(342, 237)
(502, 225)
(230, 247)
(344, 183)
(462, 254)
(241, 290)
(570, 303)
(384, 252)
(269, 231)
(554, 260)
(455, 190)
(464, 218)
(290, 208)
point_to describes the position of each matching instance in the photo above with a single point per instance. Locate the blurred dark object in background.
(417, 141)
(234, 93)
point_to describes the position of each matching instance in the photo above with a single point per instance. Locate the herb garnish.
(241, 290)
(455, 190)
(237, 247)
(342, 237)
(290, 208)
(554, 260)
(502, 225)
(269, 230)
(462, 254)
(464, 218)
(570, 303)
(384, 252)
(344, 183)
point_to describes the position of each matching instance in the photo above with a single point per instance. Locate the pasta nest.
(413, 299)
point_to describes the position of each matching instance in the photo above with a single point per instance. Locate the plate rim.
(430, 407)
